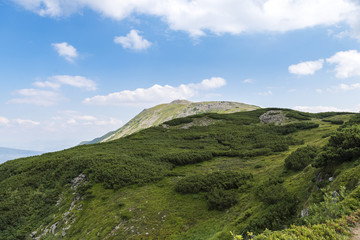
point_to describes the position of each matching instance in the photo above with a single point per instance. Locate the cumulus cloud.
(133, 41)
(4, 121)
(36, 97)
(248, 80)
(72, 118)
(315, 109)
(65, 50)
(306, 68)
(55, 82)
(347, 63)
(156, 93)
(26, 122)
(226, 16)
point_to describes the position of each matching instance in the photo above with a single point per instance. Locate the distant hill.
(11, 153)
(176, 109)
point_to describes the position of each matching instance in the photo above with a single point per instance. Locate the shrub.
(219, 199)
(343, 146)
(332, 207)
(300, 158)
(293, 127)
(178, 121)
(335, 122)
(206, 183)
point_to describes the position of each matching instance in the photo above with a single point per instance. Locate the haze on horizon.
(74, 70)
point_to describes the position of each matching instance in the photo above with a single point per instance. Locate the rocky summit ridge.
(176, 109)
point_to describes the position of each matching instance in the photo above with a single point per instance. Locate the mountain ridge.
(197, 177)
(158, 114)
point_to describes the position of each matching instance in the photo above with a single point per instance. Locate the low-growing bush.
(178, 121)
(343, 146)
(205, 183)
(293, 127)
(300, 158)
(220, 199)
(335, 122)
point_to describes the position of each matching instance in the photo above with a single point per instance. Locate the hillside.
(11, 153)
(198, 177)
(164, 112)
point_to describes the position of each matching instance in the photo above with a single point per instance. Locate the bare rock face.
(273, 116)
(78, 180)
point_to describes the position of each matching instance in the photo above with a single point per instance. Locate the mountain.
(11, 153)
(164, 112)
(296, 174)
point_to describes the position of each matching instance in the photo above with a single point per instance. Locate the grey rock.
(273, 116)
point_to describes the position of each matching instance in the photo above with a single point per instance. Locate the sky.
(72, 70)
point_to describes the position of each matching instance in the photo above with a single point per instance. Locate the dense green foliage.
(220, 199)
(337, 122)
(280, 206)
(343, 146)
(301, 158)
(178, 121)
(208, 182)
(215, 163)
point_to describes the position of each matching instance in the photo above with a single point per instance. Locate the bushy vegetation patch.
(208, 182)
(220, 199)
(178, 121)
(30, 187)
(184, 158)
(336, 122)
(280, 206)
(301, 158)
(294, 127)
(343, 146)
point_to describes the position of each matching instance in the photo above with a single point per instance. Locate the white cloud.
(344, 87)
(347, 63)
(36, 97)
(306, 68)
(226, 16)
(55, 82)
(248, 80)
(26, 122)
(267, 93)
(212, 83)
(71, 118)
(75, 81)
(133, 41)
(4, 121)
(65, 50)
(156, 93)
(47, 84)
(325, 109)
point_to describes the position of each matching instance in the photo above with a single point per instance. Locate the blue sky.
(74, 70)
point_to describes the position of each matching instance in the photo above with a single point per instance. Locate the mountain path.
(356, 232)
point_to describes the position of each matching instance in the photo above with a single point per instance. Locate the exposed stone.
(54, 227)
(304, 212)
(273, 116)
(78, 180)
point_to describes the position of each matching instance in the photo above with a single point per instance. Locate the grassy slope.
(156, 115)
(154, 210)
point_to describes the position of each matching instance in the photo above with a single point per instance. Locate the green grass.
(132, 181)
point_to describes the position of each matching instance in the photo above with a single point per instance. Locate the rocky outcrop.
(273, 116)
(66, 219)
(159, 114)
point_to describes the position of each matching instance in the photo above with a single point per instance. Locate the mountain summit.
(164, 112)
